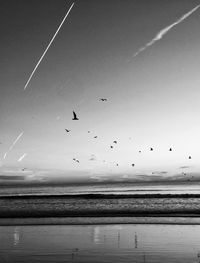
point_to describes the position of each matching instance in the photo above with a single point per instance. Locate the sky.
(118, 50)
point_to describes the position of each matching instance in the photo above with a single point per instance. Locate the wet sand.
(153, 219)
(100, 243)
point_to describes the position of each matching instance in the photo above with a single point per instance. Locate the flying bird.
(170, 149)
(189, 157)
(74, 116)
(139, 151)
(111, 147)
(151, 149)
(67, 130)
(132, 164)
(103, 99)
(95, 137)
(115, 142)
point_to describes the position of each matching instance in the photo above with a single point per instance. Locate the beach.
(100, 243)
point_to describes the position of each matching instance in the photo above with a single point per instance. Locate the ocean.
(119, 200)
(176, 188)
(100, 223)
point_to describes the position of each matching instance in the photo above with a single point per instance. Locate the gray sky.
(152, 97)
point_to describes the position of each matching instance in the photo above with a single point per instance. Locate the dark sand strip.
(180, 220)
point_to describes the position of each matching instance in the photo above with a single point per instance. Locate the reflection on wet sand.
(100, 243)
(16, 235)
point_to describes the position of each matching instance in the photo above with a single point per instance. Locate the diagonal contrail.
(22, 157)
(161, 33)
(35, 68)
(13, 144)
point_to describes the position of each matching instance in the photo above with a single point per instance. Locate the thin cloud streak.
(38, 63)
(13, 144)
(22, 157)
(164, 31)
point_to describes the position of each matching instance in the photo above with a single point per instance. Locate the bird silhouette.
(115, 142)
(74, 116)
(170, 149)
(189, 157)
(111, 147)
(67, 130)
(103, 99)
(139, 151)
(151, 149)
(88, 131)
(95, 137)
(132, 164)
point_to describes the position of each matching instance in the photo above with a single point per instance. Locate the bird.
(132, 164)
(95, 137)
(151, 149)
(170, 149)
(103, 99)
(75, 116)
(117, 164)
(88, 131)
(74, 159)
(115, 142)
(67, 130)
(189, 157)
(111, 147)
(139, 151)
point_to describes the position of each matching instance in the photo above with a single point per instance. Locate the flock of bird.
(75, 118)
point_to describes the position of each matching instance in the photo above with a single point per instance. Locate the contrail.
(13, 144)
(29, 79)
(15, 141)
(161, 33)
(22, 157)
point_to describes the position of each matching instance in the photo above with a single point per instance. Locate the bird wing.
(74, 115)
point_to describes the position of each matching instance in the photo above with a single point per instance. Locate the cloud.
(184, 167)
(164, 31)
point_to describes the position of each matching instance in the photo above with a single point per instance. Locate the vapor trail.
(13, 144)
(22, 157)
(15, 141)
(161, 33)
(29, 79)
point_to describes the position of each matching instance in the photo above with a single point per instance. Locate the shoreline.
(169, 220)
(98, 196)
